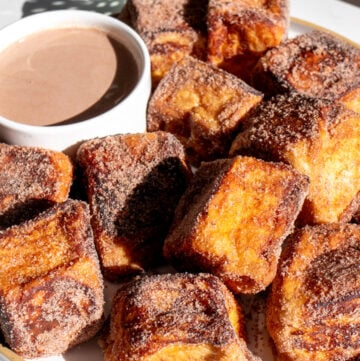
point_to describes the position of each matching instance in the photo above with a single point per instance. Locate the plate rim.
(310, 24)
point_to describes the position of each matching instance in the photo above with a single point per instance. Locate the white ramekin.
(129, 116)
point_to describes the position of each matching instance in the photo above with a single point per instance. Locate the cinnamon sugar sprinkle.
(316, 64)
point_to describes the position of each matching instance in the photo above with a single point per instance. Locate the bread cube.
(313, 309)
(241, 31)
(170, 30)
(175, 317)
(133, 183)
(51, 287)
(233, 218)
(203, 106)
(31, 179)
(316, 64)
(317, 137)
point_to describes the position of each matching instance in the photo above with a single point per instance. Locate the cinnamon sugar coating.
(241, 31)
(133, 183)
(31, 179)
(233, 218)
(170, 30)
(51, 287)
(315, 64)
(317, 137)
(313, 310)
(175, 317)
(203, 106)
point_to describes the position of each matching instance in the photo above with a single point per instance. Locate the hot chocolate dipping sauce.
(64, 75)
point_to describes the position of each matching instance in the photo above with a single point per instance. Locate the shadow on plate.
(108, 7)
(353, 2)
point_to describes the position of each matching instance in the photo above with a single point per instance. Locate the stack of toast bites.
(319, 138)
(51, 286)
(225, 33)
(241, 187)
(54, 258)
(310, 121)
(226, 222)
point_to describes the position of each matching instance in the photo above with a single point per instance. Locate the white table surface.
(342, 17)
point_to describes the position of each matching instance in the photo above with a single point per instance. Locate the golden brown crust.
(133, 182)
(175, 317)
(315, 64)
(171, 30)
(233, 218)
(317, 137)
(188, 103)
(31, 179)
(313, 310)
(240, 32)
(51, 288)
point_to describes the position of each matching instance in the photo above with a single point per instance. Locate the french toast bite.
(170, 30)
(317, 137)
(175, 317)
(313, 311)
(233, 218)
(133, 183)
(241, 31)
(315, 64)
(51, 287)
(188, 103)
(31, 179)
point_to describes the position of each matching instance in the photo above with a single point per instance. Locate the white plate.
(337, 16)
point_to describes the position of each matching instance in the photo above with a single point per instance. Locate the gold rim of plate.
(8, 354)
(318, 27)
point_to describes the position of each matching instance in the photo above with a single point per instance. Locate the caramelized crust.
(314, 307)
(240, 32)
(133, 185)
(171, 30)
(30, 180)
(317, 137)
(315, 64)
(188, 103)
(175, 317)
(233, 218)
(51, 288)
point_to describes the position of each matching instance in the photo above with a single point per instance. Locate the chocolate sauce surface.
(64, 75)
